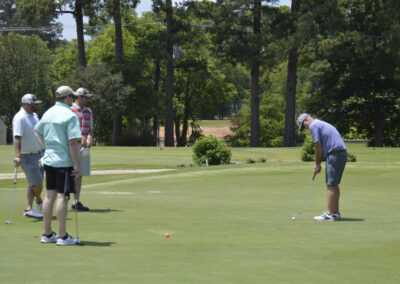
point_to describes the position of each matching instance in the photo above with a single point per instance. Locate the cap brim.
(37, 102)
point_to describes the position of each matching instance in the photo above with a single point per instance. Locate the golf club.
(9, 221)
(78, 241)
(305, 198)
(66, 193)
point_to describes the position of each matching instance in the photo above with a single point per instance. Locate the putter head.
(7, 222)
(78, 242)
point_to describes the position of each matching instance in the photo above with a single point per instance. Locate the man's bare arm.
(40, 140)
(17, 148)
(318, 156)
(74, 152)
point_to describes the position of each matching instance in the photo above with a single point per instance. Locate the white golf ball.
(293, 218)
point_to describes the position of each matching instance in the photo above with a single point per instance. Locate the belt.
(337, 151)
(31, 153)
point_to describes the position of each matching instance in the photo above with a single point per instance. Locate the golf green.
(227, 224)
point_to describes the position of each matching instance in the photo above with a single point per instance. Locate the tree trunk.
(117, 123)
(117, 129)
(290, 111)
(186, 116)
(169, 120)
(79, 33)
(379, 122)
(291, 84)
(156, 118)
(255, 74)
(118, 32)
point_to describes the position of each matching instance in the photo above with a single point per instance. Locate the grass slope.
(228, 224)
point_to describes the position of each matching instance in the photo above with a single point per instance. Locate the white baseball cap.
(83, 92)
(30, 99)
(301, 119)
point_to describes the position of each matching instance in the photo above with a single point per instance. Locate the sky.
(68, 21)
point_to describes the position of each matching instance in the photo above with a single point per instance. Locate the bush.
(209, 148)
(196, 134)
(351, 157)
(307, 152)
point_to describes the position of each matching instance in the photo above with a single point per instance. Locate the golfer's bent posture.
(58, 133)
(328, 144)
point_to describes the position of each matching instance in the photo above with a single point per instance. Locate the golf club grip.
(15, 174)
(315, 173)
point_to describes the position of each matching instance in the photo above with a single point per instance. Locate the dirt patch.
(217, 131)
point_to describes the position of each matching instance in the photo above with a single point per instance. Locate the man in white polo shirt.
(27, 152)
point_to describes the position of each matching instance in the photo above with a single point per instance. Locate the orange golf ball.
(167, 235)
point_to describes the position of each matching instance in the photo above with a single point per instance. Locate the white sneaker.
(69, 241)
(52, 239)
(336, 215)
(32, 213)
(40, 208)
(324, 217)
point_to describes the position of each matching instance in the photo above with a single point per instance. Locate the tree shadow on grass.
(350, 220)
(97, 244)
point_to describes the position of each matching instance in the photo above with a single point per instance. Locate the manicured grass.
(228, 224)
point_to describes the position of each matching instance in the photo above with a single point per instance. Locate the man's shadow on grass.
(350, 220)
(97, 244)
(108, 210)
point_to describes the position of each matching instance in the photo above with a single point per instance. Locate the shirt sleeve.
(18, 127)
(39, 127)
(315, 134)
(73, 128)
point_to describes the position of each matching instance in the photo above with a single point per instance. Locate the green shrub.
(209, 148)
(307, 152)
(351, 157)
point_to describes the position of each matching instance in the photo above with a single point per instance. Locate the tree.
(309, 21)
(36, 10)
(241, 33)
(11, 19)
(359, 74)
(169, 126)
(109, 92)
(25, 67)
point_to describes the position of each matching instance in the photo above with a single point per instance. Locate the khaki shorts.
(33, 171)
(84, 163)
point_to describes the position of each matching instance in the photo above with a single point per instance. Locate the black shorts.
(60, 179)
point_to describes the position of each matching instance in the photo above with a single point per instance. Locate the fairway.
(227, 224)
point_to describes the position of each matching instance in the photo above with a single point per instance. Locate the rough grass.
(229, 224)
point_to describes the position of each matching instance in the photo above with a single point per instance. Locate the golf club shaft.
(308, 190)
(76, 222)
(13, 195)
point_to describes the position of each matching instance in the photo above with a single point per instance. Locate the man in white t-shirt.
(28, 152)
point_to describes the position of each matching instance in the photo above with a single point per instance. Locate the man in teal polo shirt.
(58, 133)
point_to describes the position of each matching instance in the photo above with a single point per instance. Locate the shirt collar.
(77, 106)
(26, 113)
(62, 104)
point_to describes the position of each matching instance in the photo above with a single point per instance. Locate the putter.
(9, 221)
(66, 191)
(305, 198)
(78, 241)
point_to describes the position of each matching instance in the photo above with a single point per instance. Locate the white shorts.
(84, 163)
